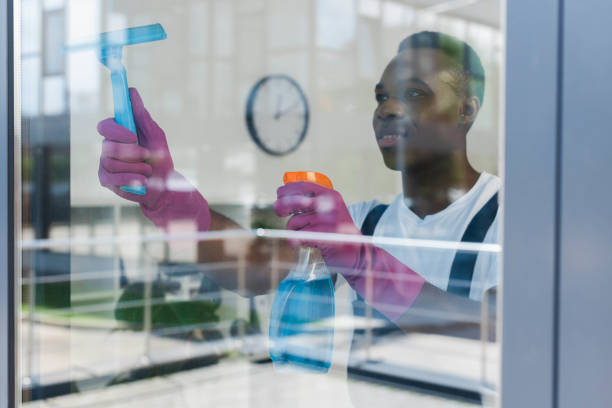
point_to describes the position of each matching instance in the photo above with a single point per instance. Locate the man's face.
(418, 115)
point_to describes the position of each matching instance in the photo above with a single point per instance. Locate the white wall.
(196, 82)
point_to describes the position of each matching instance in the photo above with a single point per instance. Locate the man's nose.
(391, 108)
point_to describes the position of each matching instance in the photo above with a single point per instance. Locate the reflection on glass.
(183, 294)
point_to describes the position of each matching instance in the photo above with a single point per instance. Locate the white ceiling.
(482, 11)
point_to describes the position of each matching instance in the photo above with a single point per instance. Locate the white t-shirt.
(434, 264)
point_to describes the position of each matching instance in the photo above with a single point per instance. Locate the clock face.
(277, 114)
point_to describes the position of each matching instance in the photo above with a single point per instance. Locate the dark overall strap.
(462, 269)
(369, 224)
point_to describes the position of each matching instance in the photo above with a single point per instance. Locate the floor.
(239, 383)
(82, 353)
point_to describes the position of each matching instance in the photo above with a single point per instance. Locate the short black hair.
(463, 56)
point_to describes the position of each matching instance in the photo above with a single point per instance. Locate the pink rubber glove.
(382, 280)
(171, 202)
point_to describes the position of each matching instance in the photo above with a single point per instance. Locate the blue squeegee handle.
(123, 113)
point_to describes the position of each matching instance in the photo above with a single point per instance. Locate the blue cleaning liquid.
(301, 322)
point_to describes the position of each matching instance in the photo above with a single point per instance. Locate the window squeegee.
(110, 51)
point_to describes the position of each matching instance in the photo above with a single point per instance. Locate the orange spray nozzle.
(310, 176)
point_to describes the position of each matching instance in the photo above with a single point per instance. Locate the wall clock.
(277, 114)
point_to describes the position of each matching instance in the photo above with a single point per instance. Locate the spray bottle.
(302, 316)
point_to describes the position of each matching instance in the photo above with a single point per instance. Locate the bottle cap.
(310, 176)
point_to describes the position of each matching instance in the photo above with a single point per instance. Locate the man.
(428, 98)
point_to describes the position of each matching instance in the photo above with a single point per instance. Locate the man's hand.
(382, 280)
(315, 208)
(145, 159)
(142, 160)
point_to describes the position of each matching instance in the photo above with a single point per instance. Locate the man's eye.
(414, 93)
(380, 98)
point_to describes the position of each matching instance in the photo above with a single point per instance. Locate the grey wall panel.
(585, 330)
(529, 204)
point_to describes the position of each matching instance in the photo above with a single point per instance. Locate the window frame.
(9, 222)
(530, 273)
(532, 373)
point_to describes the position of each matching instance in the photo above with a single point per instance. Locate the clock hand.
(286, 110)
(277, 115)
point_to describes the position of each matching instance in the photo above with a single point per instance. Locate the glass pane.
(167, 258)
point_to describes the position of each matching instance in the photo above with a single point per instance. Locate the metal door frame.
(530, 203)
(8, 344)
(557, 237)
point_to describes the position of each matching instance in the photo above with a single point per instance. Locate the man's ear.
(469, 110)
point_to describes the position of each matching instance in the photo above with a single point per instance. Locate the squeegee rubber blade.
(133, 35)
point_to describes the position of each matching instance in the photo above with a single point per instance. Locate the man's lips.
(389, 140)
(388, 135)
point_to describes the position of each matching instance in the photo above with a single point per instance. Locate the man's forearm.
(247, 265)
(384, 282)
(404, 297)
(437, 310)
